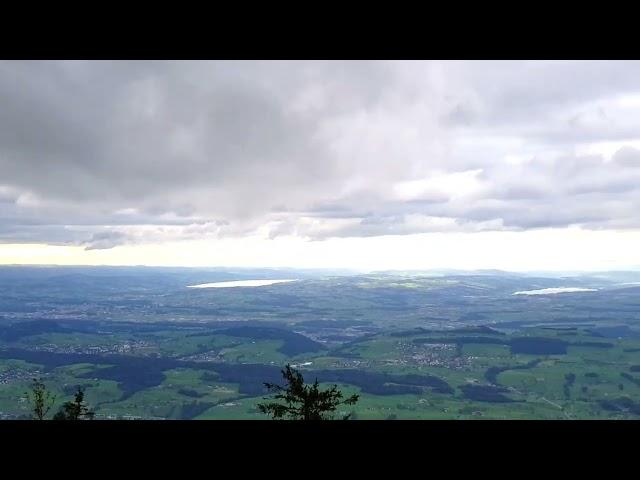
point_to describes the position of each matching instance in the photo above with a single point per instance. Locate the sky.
(517, 165)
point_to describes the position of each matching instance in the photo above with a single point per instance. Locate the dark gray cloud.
(108, 239)
(105, 153)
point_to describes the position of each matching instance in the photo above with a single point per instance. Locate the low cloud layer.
(101, 154)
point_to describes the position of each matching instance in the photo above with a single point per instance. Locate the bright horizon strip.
(543, 249)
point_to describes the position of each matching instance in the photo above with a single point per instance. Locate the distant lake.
(240, 283)
(550, 291)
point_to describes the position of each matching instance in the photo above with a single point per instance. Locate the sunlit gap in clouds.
(554, 249)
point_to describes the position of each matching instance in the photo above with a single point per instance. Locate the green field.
(488, 374)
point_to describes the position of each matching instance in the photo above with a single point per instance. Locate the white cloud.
(101, 154)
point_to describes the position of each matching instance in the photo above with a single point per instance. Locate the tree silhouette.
(75, 410)
(41, 399)
(303, 402)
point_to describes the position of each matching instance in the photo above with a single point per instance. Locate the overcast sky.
(503, 164)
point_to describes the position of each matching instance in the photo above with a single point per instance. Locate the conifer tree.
(303, 402)
(40, 398)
